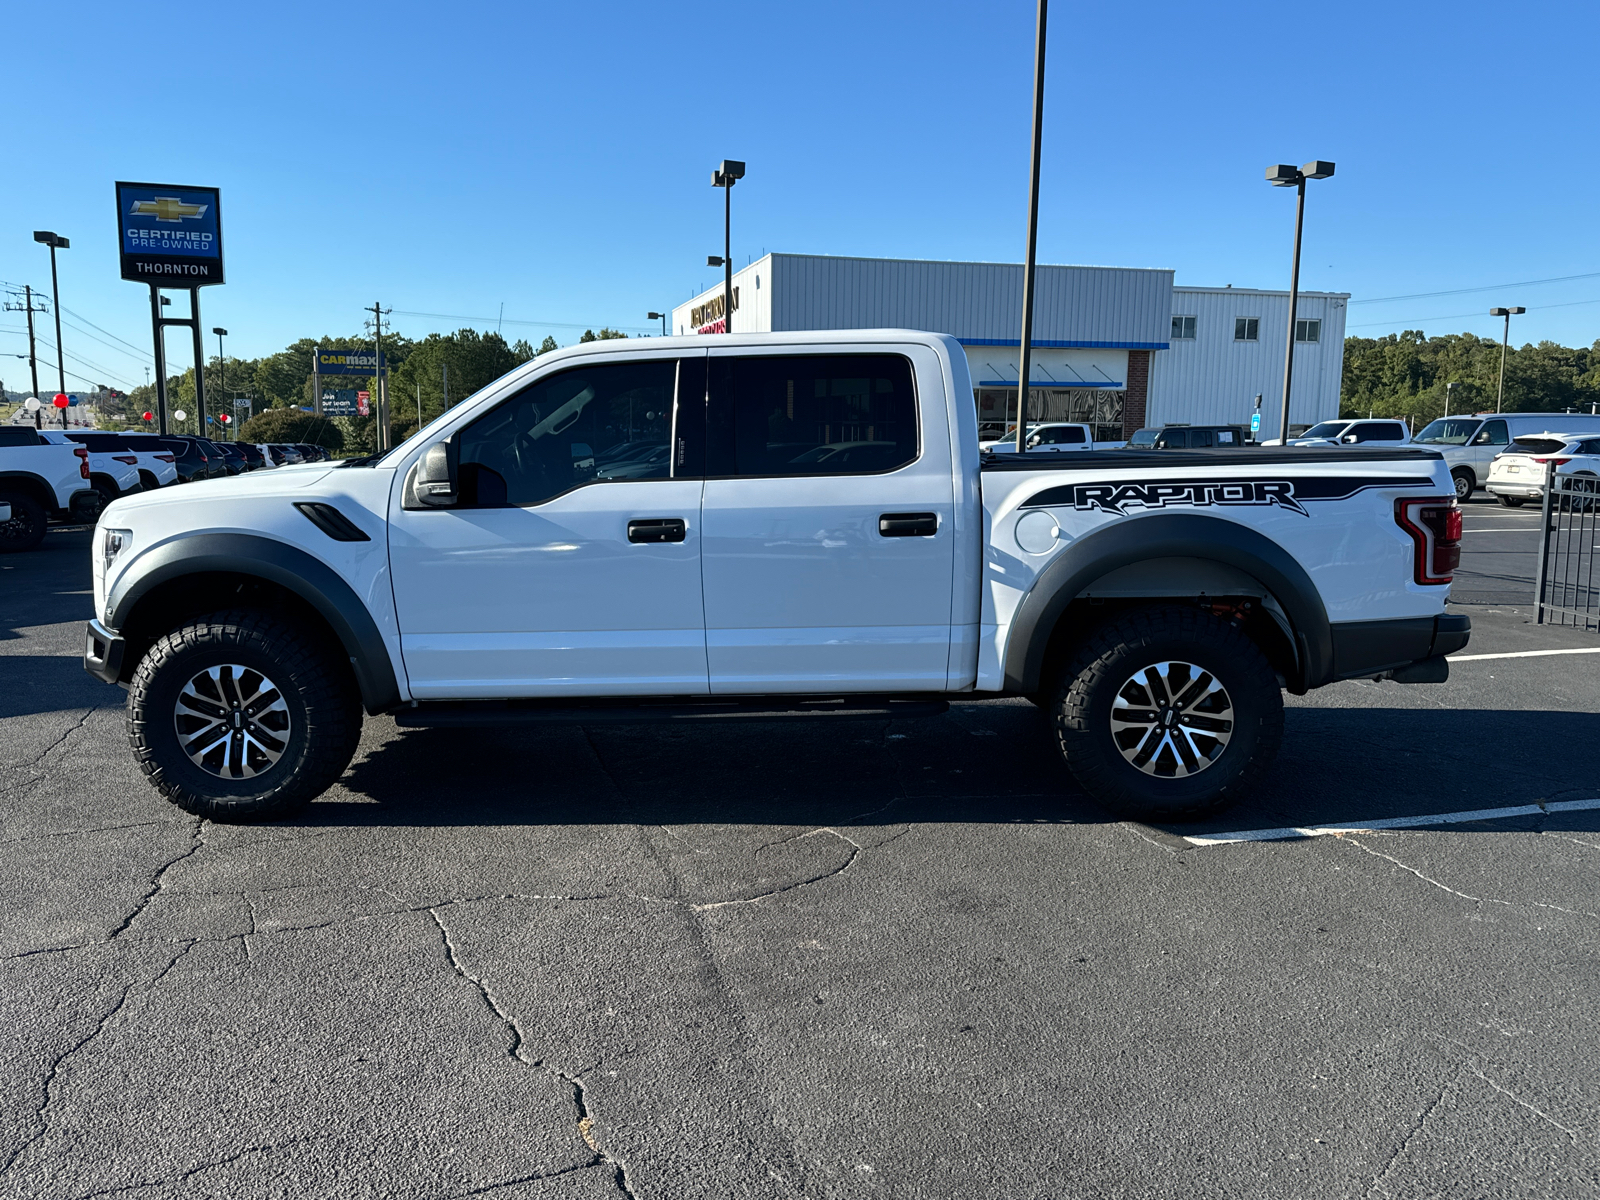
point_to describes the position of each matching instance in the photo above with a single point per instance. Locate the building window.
(1183, 329)
(1307, 331)
(1247, 329)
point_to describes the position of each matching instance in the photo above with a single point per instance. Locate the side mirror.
(434, 483)
(1349, 437)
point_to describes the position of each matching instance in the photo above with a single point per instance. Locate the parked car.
(40, 481)
(188, 456)
(112, 473)
(1521, 472)
(264, 449)
(252, 455)
(157, 466)
(238, 464)
(1190, 437)
(285, 455)
(1382, 430)
(1470, 443)
(311, 453)
(471, 576)
(1047, 437)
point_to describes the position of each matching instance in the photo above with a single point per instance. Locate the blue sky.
(556, 159)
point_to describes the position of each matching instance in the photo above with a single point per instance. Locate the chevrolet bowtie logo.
(167, 208)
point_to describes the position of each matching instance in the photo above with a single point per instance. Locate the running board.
(435, 714)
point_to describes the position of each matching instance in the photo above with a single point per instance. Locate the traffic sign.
(1255, 422)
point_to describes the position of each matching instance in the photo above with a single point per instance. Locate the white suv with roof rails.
(113, 474)
(1520, 473)
(1354, 432)
(1470, 443)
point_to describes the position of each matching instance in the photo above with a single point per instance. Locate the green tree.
(291, 425)
(605, 335)
(475, 360)
(548, 345)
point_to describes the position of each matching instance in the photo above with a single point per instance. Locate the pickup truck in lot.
(41, 482)
(487, 570)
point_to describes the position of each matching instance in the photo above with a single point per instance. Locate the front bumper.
(102, 653)
(1368, 649)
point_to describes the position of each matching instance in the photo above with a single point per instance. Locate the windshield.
(1146, 437)
(1327, 429)
(1447, 431)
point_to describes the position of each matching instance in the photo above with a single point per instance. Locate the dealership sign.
(170, 236)
(346, 362)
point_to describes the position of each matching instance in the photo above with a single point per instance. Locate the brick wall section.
(1138, 387)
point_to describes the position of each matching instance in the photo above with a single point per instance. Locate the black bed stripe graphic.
(1120, 495)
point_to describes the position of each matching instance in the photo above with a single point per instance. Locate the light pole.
(1447, 388)
(724, 177)
(1282, 175)
(222, 369)
(1025, 367)
(56, 242)
(1507, 313)
(663, 317)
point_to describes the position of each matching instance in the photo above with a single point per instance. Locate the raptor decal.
(1121, 497)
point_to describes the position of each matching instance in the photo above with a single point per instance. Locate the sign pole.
(316, 380)
(161, 359)
(199, 363)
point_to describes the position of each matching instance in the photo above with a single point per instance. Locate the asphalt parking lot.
(858, 959)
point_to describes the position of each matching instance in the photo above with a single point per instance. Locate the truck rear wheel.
(1168, 713)
(243, 716)
(26, 527)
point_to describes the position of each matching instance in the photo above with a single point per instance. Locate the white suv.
(1383, 431)
(111, 473)
(1055, 437)
(1519, 473)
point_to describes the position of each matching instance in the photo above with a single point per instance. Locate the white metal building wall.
(1124, 308)
(1215, 378)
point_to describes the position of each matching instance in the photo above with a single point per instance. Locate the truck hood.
(255, 484)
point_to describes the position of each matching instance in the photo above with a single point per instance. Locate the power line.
(138, 350)
(400, 312)
(1491, 287)
(105, 372)
(1454, 316)
(143, 358)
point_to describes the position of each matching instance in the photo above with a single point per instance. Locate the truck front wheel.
(243, 716)
(1168, 713)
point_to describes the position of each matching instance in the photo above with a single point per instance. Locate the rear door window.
(19, 435)
(608, 422)
(810, 414)
(1376, 431)
(1061, 435)
(1174, 439)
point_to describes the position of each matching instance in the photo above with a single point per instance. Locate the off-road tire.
(310, 671)
(1463, 482)
(1512, 501)
(1138, 639)
(26, 528)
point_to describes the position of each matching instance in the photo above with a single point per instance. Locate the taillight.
(1434, 523)
(127, 458)
(83, 461)
(1560, 462)
(166, 457)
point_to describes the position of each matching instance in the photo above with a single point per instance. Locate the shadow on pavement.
(986, 763)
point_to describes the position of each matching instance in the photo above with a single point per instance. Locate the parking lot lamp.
(222, 368)
(55, 242)
(724, 177)
(1507, 313)
(1447, 388)
(1282, 175)
(1025, 365)
(663, 316)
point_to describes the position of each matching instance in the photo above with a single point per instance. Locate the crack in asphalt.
(505, 1183)
(68, 732)
(265, 1148)
(1480, 901)
(1411, 1134)
(516, 1051)
(158, 880)
(66, 833)
(42, 1111)
(856, 850)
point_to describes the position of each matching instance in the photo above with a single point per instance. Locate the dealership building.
(1119, 348)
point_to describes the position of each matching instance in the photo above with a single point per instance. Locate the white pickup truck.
(814, 533)
(41, 482)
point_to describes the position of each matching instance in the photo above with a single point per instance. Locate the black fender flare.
(291, 568)
(1168, 535)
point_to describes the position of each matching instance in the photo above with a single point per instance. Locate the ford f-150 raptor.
(773, 525)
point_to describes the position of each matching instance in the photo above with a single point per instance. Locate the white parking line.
(1456, 818)
(1523, 654)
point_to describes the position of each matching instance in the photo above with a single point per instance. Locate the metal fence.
(1566, 591)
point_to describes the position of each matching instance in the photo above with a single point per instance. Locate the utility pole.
(382, 397)
(27, 306)
(444, 369)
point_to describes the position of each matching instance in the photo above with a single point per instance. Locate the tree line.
(1407, 375)
(280, 386)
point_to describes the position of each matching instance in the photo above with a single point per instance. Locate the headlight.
(112, 543)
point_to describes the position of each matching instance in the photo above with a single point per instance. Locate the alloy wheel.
(1172, 719)
(232, 721)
